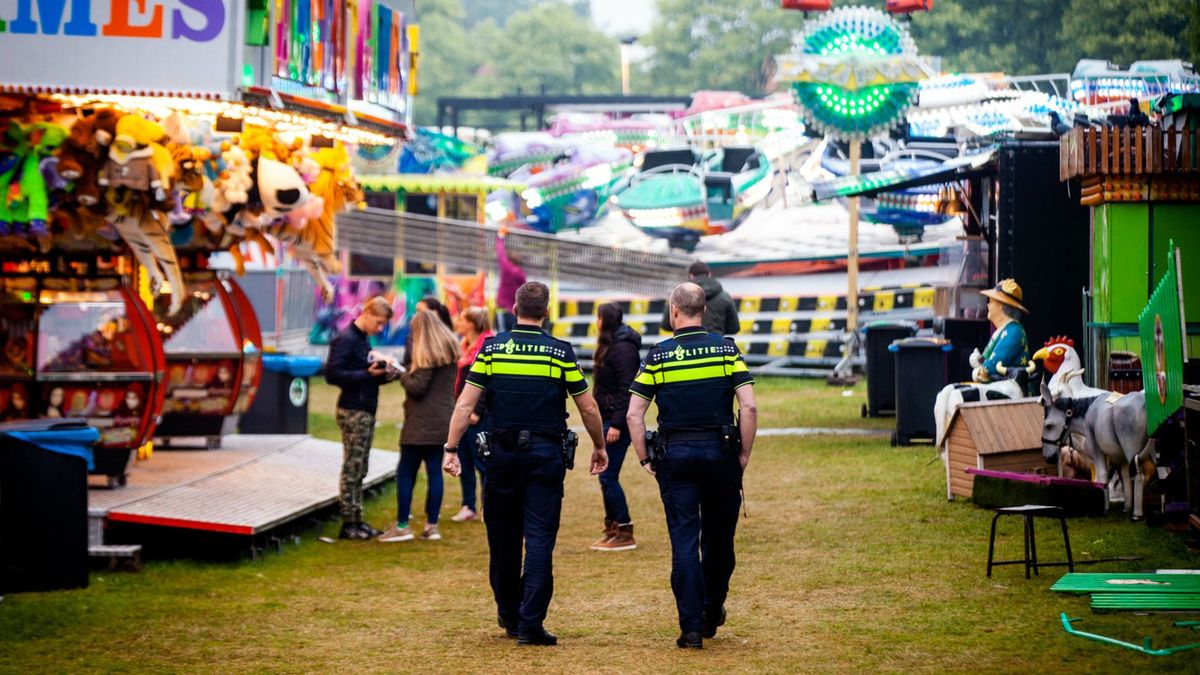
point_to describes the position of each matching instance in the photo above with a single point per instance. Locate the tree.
(447, 57)
(718, 44)
(1123, 33)
(1008, 36)
(551, 48)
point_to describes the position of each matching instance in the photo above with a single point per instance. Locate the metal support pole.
(852, 255)
(843, 372)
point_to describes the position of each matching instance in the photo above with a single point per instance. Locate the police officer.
(694, 376)
(526, 376)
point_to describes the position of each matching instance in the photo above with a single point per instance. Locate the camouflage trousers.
(358, 430)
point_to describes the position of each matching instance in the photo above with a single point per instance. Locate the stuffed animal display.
(108, 176)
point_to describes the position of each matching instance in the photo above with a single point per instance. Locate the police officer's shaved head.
(688, 299)
(533, 300)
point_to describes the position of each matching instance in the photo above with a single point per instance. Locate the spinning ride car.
(680, 195)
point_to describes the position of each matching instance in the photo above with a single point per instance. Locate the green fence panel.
(1160, 327)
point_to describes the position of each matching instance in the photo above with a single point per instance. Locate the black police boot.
(539, 638)
(692, 640)
(366, 527)
(712, 623)
(510, 627)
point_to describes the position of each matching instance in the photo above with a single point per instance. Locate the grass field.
(850, 560)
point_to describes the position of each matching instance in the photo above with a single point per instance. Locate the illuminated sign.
(146, 46)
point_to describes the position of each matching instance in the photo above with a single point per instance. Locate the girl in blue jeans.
(428, 404)
(615, 364)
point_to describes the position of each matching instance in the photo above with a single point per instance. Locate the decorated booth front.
(136, 139)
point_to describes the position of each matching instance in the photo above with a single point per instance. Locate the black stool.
(1030, 561)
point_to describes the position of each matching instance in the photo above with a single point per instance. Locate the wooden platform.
(249, 485)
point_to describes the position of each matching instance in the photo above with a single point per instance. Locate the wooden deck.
(248, 486)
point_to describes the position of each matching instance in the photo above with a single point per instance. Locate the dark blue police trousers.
(523, 493)
(700, 485)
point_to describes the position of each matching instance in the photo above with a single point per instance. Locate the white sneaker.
(431, 533)
(464, 514)
(397, 533)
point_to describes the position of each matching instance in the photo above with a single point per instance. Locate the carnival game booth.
(80, 343)
(149, 140)
(213, 348)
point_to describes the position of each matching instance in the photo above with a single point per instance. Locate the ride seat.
(658, 158)
(735, 160)
(719, 180)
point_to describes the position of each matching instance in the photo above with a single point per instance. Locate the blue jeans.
(700, 484)
(469, 460)
(615, 507)
(524, 491)
(411, 457)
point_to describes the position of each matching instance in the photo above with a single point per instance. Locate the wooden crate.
(998, 435)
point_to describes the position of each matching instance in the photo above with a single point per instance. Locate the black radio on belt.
(483, 441)
(654, 449)
(731, 438)
(569, 443)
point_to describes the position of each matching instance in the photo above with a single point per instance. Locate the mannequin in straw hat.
(1008, 344)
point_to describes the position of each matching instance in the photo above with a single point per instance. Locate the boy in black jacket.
(349, 369)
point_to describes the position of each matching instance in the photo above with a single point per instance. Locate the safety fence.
(786, 334)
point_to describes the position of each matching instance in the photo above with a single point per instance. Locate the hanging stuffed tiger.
(145, 231)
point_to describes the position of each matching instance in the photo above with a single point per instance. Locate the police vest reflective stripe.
(526, 375)
(692, 376)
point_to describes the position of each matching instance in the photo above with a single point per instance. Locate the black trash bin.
(281, 406)
(920, 375)
(965, 336)
(43, 504)
(881, 365)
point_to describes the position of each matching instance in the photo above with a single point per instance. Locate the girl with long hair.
(428, 404)
(614, 366)
(474, 326)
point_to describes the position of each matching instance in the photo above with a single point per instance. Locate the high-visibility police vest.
(692, 375)
(526, 376)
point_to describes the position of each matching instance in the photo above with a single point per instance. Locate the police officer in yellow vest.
(526, 376)
(698, 458)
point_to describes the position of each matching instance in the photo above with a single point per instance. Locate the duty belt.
(692, 435)
(509, 437)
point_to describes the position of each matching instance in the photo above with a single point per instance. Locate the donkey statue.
(1114, 431)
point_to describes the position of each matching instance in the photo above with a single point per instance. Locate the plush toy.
(24, 199)
(131, 159)
(232, 186)
(280, 189)
(83, 154)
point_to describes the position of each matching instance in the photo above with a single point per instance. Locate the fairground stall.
(133, 146)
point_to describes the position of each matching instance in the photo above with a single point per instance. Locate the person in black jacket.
(720, 311)
(615, 363)
(349, 369)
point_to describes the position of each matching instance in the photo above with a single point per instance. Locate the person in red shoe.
(614, 365)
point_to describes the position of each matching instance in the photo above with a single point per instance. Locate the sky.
(623, 17)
